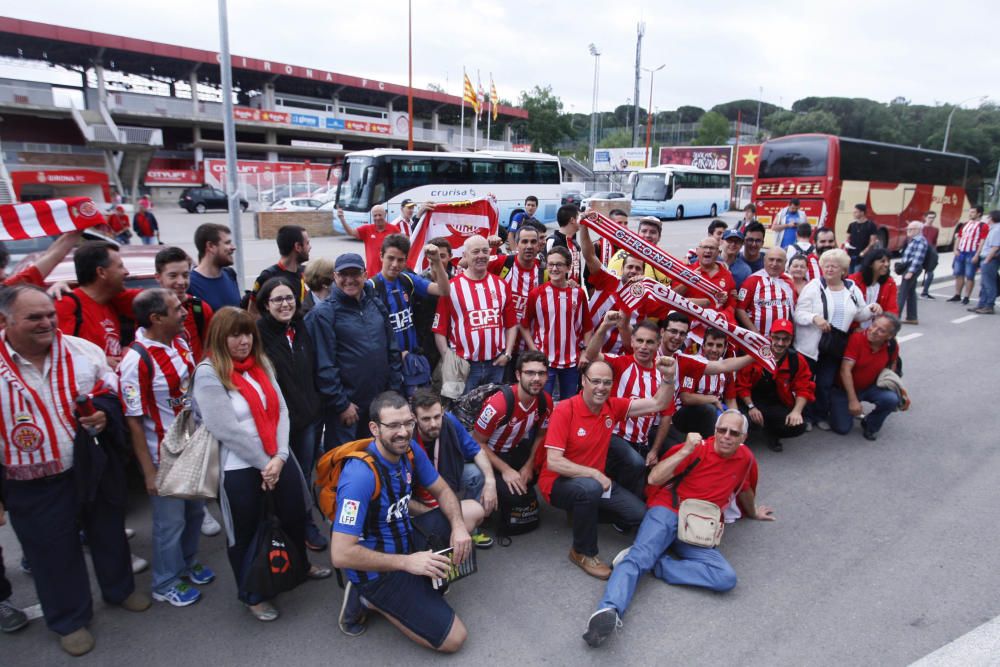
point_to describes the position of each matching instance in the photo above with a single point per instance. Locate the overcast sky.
(927, 52)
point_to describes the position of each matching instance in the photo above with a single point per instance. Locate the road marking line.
(947, 294)
(979, 646)
(903, 339)
(964, 319)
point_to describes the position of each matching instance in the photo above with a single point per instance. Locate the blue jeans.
(472, 482)
(841, 420)
(825, 370)
(569, 381)
(483, 372)
(696, 566)
(148, 240)
(988, 284)
(176, 531)
(907, 296)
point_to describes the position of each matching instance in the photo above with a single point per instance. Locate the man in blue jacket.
(357, 357)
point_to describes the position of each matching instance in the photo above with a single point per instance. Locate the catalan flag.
(470, 94)
(493, 98)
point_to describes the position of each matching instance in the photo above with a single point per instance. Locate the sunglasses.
(732, 432)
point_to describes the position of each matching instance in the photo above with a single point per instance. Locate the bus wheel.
(714, 212)
(679, 213)
(883, 238)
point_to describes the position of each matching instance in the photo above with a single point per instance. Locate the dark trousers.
(928, 279)
(582, 497)
(47, 518)
(337, 433)
(774, 413)
(696, 419)
(246, 498)
(516, 457)
(908, 296)
(825, 370)
(5, 590)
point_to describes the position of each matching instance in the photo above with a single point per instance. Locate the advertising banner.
(716, 158)
(747, 158)
(619, 159)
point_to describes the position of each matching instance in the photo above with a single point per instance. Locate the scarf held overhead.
(653, 298)
(656, 257)
(49, 217)
(265, 418)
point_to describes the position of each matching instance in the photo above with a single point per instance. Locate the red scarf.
(266, 419)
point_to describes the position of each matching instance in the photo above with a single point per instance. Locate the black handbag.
(832, 343)
(278, 564)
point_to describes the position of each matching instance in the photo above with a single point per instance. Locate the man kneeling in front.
(373, 539)
(713, 470)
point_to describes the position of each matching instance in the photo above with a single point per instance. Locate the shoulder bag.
(189, 460)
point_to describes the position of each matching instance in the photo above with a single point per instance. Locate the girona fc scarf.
(653, 297)
(455, 221)
(49, 217)
(656, 257)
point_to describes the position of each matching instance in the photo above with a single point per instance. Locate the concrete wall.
(267, 223)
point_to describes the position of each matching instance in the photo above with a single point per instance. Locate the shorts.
(962, 265)
(411, 600)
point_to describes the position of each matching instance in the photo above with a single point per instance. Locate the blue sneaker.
(200, 575)
(352, 618)
(179, 595)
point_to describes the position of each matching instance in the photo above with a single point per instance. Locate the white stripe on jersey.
(704, 385)
(557, 324)
(476, 328)
(766, 299)
(636, 382)
(521, 283)
(972, 233)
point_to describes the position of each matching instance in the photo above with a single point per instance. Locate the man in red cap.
(774, 401)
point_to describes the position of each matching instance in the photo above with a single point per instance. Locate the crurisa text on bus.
(829, 175)
(388, 177)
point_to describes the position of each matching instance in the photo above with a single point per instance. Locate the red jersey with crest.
(692, 379)
(501, 438)
(766, 299)
(558, 318)
(633, 380)
(475, 316)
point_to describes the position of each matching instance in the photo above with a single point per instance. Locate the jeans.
(483, 372)
(568, 379)
(148, 240)
(5, 589)
(582, 497)
(176, 531)
(841, 420)
(908, 296)
(696, 419)
(825, 369)
(626, 466)
(928, 279)
(696, 566)
(337, 433)
(988, 284)
(473, 481)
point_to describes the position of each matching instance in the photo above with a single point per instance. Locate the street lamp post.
(594, 51)
(947, 127)
(649, 109)
(229, 141)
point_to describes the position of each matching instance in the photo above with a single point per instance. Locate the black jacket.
(295, 368)
(98, 467)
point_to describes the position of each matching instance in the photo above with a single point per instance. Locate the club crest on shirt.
(608, 423)
(581, 432)
(26, 436)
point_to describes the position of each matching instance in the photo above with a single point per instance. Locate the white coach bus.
(675, 191)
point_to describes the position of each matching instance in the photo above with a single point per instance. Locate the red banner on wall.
(716, 158)
(747, 158)
(261, 115)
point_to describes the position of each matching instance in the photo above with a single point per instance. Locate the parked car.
(205, 198)
(138, 259)
(600, 195)
(572, 198)
(296, 204)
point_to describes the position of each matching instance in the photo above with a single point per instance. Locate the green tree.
(546, 126)
(619, 139)
(713, 129)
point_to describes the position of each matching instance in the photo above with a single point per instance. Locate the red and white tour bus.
(829, 175)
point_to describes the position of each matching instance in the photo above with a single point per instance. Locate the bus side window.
(678, 182)
(670, 187)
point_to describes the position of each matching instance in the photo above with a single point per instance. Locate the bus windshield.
(357, 184)
(805, 156)
(651, 187)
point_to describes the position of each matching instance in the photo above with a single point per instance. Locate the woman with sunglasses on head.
(290, 350)
(237, 397)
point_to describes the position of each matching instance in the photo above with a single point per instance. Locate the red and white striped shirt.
(521, 281)
(501, 438)
(633, 380)
(601, 301)
(766, 299)
(558, 318)
(973, 233)
(691, 379)
(157, 394)
(476, 316)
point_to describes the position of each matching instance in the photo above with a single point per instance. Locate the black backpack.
(468, 407)
(931, 258)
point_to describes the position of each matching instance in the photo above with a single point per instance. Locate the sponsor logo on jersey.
(349, 512)
(486, 416)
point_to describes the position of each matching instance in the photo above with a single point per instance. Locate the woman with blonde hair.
(826, 308)
(238, 399)
(319, 277)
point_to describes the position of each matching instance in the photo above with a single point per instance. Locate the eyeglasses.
(675, 332)
(534, 373)
(750, 241)
(277, 300)
(599, 383)
(733, 432)
(408, 425)
(560, 265)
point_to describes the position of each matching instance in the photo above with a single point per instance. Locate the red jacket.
(886, 294)
(789, 388)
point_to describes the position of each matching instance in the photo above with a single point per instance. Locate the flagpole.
(489, 116)
(461, 122)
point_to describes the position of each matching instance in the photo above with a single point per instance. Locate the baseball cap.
(349, 260)
(731, 234)
(783, 326)
(407, 202)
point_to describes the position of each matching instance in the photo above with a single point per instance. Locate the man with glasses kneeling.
(578, 470)
(713, 470)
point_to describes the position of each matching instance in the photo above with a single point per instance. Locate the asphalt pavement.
(879, 555)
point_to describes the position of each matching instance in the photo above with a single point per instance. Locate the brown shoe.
(137, 602)
(911, 322)
(77, 642)
(592, 565)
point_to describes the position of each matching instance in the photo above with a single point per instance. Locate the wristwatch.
(750, 406)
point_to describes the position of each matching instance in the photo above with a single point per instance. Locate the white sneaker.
(620, 557)
(209, 526)
(823, 425)
(129, 533)
(138, 564)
